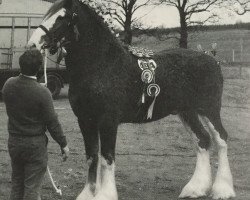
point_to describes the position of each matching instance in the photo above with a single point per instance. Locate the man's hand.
(43, 84)
(65, 153)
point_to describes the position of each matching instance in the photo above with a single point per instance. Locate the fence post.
(28, 30)
(233, 55)
(12, 42)
(241, 49)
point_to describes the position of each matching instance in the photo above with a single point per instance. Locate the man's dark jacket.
(30, 109)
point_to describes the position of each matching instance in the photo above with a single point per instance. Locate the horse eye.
(60, 18)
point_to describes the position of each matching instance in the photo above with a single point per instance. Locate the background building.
(18, 18)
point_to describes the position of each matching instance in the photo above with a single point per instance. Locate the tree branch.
(136, 7)
(245, 5)
(201, 6)
(170, 2)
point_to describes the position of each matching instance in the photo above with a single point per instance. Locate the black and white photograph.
(124, 99)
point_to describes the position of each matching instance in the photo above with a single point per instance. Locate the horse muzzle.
(53, 49)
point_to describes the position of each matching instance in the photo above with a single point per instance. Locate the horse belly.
(138, 113)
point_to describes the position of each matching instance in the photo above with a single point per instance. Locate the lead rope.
(57, 189)
(45, 67)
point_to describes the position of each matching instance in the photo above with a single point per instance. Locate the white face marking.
(48, 23)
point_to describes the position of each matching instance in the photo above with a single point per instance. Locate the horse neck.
(97, 46)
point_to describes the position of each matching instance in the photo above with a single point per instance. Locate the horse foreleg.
(201, 181)
(108, 133)
(89, 130)
(223, 184)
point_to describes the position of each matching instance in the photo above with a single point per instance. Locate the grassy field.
(154, 161)
(226, 40)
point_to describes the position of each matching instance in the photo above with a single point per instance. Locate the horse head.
(56, 28)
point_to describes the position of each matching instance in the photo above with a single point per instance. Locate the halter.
(47, 33)
(45, 30)
(51, 36)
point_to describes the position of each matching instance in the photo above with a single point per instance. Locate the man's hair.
(30, 62)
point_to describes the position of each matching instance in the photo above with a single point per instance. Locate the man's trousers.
(29, 162)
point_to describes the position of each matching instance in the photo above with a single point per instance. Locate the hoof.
(222, 191)
(86, 194)
(195, 190)
(105, 196)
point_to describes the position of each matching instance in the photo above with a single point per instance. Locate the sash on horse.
(150, 90)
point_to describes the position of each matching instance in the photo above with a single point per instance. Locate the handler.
(31, 112)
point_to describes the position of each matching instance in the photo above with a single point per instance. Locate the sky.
(168, 16)
(24, 6)
(150, 16)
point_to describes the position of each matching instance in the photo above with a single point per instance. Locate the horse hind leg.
(201, 181)
(89, 131)
(108, 132)
(223, 184)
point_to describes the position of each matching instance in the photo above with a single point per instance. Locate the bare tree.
(239, 6)
(187, 9)
(124, 14)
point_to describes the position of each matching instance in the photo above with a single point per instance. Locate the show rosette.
(148, 67)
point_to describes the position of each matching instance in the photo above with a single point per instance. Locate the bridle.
(54, 46)
(54, 41)
(44, 29)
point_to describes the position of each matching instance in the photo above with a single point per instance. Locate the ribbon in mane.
(104, 10)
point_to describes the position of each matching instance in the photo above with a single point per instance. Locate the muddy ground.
(154, 161)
